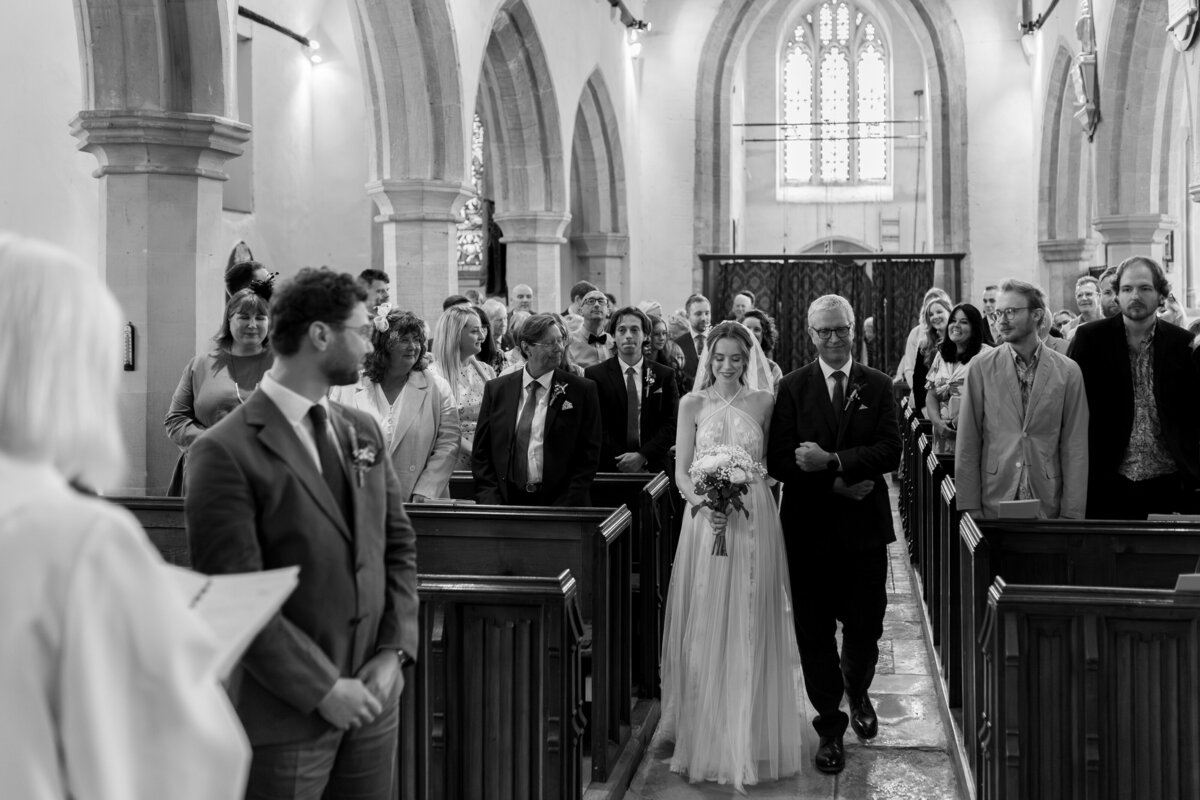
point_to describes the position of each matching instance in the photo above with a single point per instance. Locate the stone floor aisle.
(909, 758)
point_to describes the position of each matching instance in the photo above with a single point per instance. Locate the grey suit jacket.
(994, 441)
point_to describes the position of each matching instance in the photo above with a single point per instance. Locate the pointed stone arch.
(526, 166)
(600, 226)
(1065, 239)
(940, 40)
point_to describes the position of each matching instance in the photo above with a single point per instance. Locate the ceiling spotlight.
(313, 44)
(316, 59)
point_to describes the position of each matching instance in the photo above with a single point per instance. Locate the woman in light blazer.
(414, 407)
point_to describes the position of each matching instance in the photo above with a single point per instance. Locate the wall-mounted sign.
(1181, 22)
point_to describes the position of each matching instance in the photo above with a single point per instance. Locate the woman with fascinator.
(414, 407)
(729, 653)
(216, 382)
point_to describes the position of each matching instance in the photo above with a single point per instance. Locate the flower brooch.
(362, 458)
(557, 391)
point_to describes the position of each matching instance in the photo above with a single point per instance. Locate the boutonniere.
(557, 391)
(363, 457)
(855, 391)
(648, 382)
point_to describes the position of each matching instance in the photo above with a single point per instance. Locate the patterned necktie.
(331, 465)
(520, 469)
(632, 434)
(839, 395)
(700, 344)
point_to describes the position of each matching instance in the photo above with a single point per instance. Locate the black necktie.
(594, 339)
(524, 434)
(839, 395)
(632, 434)
(700, 345)
(331, 465)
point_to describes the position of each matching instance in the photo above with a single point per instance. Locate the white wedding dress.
(729, 658)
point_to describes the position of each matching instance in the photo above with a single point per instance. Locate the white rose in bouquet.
(737, 475)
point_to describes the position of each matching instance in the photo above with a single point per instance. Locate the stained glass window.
(835, 97)
(471, 226)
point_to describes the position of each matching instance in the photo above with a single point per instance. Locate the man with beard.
(1023, 423)
(1108, 293)
(1087, 300)
(289, 478)
(1142, 384)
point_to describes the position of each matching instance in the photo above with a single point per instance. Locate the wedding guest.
(1023, 423)
(1108, 293)
(912, 344)
(538, 441)
(663, 349)
(413, 406)
(638, 400)
(763, 327)
(678, 323)
(1062, 318)
(991, 335)
(577, 294)
(375, 281)
(1051, 337)
(934, 321)
(651, 308)
(457, 339)
(1087, 300)
(948, 373)
(514, 357)
(244, 275)
(489, 350)
(590, 343)
(497, 316)
(108, 686)
(1171, 311)
(290, 478)
(522, 298)
(455, 300)
(866, 351)
(1142, 385)
(699, 313)
(473, 297)
(217, 382)
(743, 301)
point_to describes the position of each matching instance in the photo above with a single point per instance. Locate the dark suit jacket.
(691, 359)
(257, 501)
(660, 400)
(1102, 353)
(571, 449)
(868, 444)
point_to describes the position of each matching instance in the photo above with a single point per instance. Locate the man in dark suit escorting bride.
(834, 436)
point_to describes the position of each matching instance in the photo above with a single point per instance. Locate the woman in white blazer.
(414, 407)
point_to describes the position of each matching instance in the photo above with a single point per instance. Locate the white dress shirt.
(828, 371)
(537, 434)
(294, 408)
(585, 354)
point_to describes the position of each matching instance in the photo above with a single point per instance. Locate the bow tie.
(601, 339)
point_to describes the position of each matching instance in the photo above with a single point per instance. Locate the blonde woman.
(457, 340)
(109, 689)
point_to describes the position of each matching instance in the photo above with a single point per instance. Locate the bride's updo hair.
(727, 330)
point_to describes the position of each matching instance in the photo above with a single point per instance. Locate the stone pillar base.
(1064, 261)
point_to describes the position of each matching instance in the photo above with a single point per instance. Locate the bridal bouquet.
(722, 474)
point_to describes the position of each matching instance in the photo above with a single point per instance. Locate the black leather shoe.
(862, 717)
(831, 755)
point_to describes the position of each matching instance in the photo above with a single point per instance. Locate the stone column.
(604, 255)
(419, 221)
(1065, 261)
(1128, 235)
(160, 208)
(534, 250)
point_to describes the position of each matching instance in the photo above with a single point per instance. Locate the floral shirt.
(1147, 455)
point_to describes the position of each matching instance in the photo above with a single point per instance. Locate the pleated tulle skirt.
(729, 659)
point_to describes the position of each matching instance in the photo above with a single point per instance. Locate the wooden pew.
(1093, 553)
(162, 517)
(1091, 693)
(593, 543)
(950, 606)
(934, 541)
(495, 708)
(648, 497)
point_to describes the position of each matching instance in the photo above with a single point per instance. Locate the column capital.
(418, 200)
(1135, 228)
(601, 245)
(1072, 250)
(533, 227)
(131, 142)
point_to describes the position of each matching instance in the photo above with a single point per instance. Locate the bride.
(729, 653)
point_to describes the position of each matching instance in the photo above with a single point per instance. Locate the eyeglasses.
(595, 301)
(555, 345)
(364, 331)
(823, 334)
(1010, 313)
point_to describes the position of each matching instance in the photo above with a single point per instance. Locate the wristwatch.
(405, 659)
(832, 464)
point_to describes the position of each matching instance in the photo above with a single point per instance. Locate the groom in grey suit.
(834, 436)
